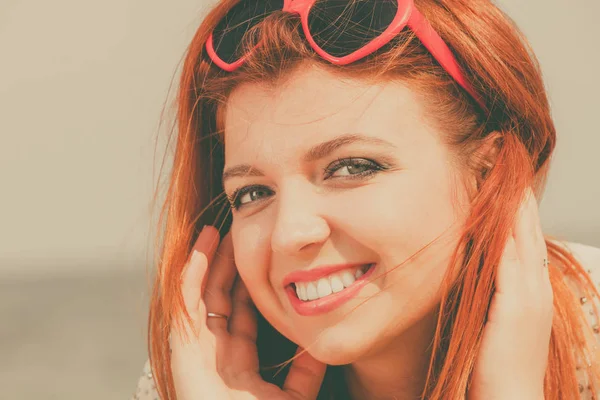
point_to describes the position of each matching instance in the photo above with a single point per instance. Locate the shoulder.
(587, 255)
(146, 389)
(585, 252)
(589, 258)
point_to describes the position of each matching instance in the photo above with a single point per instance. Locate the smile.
(328, 292)
(333, 283)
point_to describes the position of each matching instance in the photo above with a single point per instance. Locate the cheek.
(252, 258)
(400, 215)
(250, 252)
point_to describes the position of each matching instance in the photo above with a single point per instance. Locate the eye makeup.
(367, 168)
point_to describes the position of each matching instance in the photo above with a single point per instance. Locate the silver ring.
(216, 315)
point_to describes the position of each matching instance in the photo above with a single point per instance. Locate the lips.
(329, 302)
(317, 273)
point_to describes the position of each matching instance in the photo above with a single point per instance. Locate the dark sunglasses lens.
(340, 27)
(228, 34)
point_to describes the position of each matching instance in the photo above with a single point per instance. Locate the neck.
(396, 371)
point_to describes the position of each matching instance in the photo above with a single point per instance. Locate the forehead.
(313, 106)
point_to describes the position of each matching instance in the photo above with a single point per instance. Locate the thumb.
(305, 377)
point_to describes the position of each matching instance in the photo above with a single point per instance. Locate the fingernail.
(207, 236)
(207, 241)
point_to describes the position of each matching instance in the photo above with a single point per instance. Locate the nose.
(298, 224)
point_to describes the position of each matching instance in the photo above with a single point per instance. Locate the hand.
(221, 360)
(512, 360)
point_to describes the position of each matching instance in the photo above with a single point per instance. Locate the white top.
(588, 256)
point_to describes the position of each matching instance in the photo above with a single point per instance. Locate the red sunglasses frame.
(407, 15)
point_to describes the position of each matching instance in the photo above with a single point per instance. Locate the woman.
(375, 187)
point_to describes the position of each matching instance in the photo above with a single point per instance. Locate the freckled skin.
(302, 219)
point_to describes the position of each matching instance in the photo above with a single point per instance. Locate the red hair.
(501, 66)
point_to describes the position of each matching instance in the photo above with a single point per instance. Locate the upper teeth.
(330, 284)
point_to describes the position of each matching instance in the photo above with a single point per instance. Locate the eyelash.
(234, 199)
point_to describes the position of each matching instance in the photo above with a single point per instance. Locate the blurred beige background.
(82, 86)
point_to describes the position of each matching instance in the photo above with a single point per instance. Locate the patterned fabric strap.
(146, 389)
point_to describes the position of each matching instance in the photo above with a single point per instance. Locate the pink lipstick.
(331, 301)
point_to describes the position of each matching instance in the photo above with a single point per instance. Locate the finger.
(192, 280)
(305, 377)
(529, 238)
(539, 255)
(243, 332)
(195, 273)
(243, 323)
(182, 330)
(217, 294)
(509, 267)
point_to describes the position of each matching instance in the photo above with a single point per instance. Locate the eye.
(239, 197)
(356, 168)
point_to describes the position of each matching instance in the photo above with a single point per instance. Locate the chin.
(339, 349)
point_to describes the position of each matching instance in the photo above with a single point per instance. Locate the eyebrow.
(315, 153)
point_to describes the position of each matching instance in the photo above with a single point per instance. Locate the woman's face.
(342, 172)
